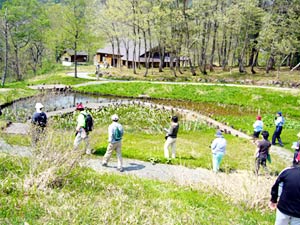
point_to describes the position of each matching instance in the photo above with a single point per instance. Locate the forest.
(205, 33)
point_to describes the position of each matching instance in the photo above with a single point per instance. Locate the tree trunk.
(5, 71)
(18, 72)
(254, 63)
(139, 52)
(193, 71)
(172, 65)
(241, 65)
(161, 58)
(211, 63)
(270, 64)
(119, 53)
(146, 55)
(75, 59)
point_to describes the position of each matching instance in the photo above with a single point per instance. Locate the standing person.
(115, 135)
(171, 137)
(258, 127)
(279, 121)
(288, 206)
(262, 152)
(97, 70)
(218, 148)
(81, 132)
(39, 120)
(296, 146)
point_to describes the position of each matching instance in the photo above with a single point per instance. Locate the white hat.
(39, 105)
(115, 117)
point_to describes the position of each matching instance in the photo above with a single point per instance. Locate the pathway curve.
(239, 186)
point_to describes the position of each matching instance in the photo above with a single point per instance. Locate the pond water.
(22, 110)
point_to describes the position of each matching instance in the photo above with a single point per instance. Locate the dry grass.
(53, 158)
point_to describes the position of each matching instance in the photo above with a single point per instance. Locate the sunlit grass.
(91, 198)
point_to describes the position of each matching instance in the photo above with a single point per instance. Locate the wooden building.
(69, 56)
(109, 56)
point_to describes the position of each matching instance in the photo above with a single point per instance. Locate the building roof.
(108, 50)
(79, 53)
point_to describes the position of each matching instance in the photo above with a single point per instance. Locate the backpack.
(117, 134)
(42, 120)
(89, 122)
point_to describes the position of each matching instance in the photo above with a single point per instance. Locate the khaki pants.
(82, 136)
(170, 142)
(114, 146)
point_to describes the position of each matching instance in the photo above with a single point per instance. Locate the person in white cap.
(218, 148)
(39, 119)
(115, 135)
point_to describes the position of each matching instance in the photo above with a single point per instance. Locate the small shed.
(69, 56)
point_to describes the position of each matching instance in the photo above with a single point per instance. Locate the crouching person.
(115, 135)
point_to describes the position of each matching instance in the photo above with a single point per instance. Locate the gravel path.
(14, 150)
(239, 185)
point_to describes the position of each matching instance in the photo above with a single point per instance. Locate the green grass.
(91, 198)
(218, 75)
(14, 94)
(235, 106)
(144, 139)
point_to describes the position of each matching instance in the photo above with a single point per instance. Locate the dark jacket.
(39, 119)
(263, 146)
(173, 130)
(289, 201)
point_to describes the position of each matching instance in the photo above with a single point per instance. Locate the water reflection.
(23, 109)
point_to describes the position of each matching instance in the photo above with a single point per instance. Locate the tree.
(75, 26)
(21, 17)
(5, 33)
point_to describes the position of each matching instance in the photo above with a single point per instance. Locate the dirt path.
(239, 186)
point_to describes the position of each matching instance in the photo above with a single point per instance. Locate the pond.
(22, 110)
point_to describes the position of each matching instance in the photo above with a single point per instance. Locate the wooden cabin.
(69, 56)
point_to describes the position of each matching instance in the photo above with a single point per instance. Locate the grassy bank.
(234, 106)
(91, 198)
(9, 95)
(218, 75)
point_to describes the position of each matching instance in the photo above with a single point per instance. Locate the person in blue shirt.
(39, 121)
(258, 127)
(218, 148)
(279, 122)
